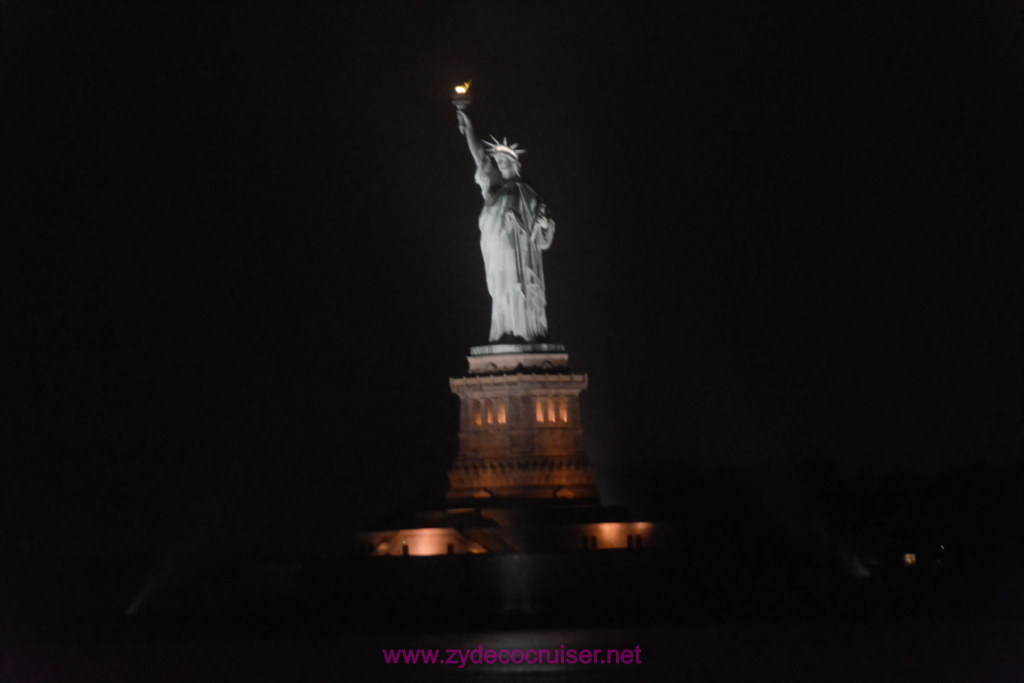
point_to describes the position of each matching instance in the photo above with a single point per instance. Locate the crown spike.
(503, 147)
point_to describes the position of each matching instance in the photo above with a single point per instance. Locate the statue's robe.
(514, 230)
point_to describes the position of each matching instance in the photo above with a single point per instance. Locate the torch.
(462, 99)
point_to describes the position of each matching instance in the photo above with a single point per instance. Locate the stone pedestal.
(520, 435)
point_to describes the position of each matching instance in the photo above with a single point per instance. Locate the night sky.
(242, 261)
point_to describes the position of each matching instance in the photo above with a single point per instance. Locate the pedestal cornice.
(517, 358)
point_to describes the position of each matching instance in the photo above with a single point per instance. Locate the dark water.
(910, 650)
(285, 623)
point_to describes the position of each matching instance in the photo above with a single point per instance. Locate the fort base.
(521, 482)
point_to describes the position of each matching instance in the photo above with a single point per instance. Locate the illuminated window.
(501, 411)
(552, 410)
(474, 407)
(490, 412)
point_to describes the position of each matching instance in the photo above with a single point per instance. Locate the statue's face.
(507, 166)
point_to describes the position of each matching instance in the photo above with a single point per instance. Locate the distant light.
(909, 559)
(462, 88)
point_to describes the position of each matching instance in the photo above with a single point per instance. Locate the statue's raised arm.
(514, 229)
(475, 148)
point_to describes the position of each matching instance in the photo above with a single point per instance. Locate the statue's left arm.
(543, 233)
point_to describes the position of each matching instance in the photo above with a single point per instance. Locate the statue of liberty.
(514, 229)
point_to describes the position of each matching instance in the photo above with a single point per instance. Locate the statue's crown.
(503, 148)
